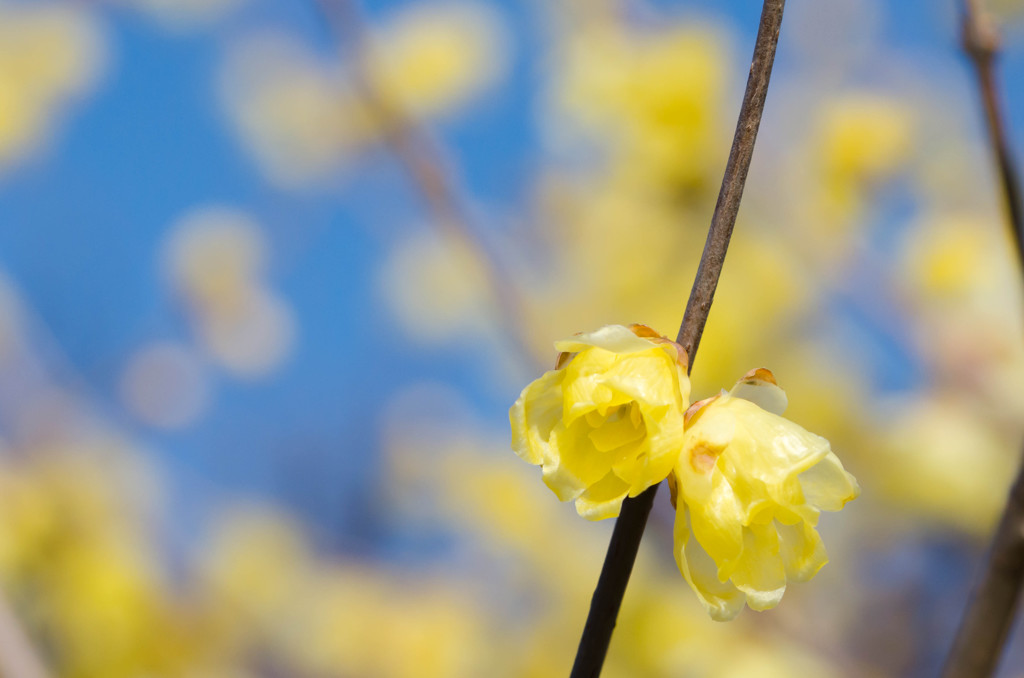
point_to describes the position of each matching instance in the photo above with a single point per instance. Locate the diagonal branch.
(629, 527)
(993, 604)
(981, 43)
(425, 164)
(18, 657)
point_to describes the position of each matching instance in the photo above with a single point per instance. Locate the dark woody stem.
(629, 527)
(993, 603)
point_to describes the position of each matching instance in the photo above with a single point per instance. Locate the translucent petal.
(760, 572)
(771, 448)
(762, 391)
(534, 415)
(722, 600)
(703, 444)
(615, 430)
(648, 378)
(803, 552)
(616, 407)
(579, 465)
(603, 499)
(827, 485)
(614, 338)
(717, 523)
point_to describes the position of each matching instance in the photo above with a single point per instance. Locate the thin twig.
(993, 603)
(629, 527)
(990, 611)
(981, 43)
(432, 175)
(18, 658)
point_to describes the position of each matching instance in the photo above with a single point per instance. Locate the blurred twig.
(993, 603)
(426, 164)
(629, 528)
(981, 43)
(18, 659)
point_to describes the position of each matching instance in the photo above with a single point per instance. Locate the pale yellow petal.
(613, 338)
(717, 523)
(721, 599)
(803, 551)
(768, 446)
(617, 429)
(760, 571)
(827, 485)
(602, 499)
(643, 379)
(534, 415)
(763, 392)
(575, 464)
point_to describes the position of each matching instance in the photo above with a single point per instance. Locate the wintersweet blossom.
(749, 486)
(607, 422)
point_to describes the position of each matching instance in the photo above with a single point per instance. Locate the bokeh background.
(272, 272)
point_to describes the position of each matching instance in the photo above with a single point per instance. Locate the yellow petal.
(602, 499)
(759, 387)
(721, 599)
(717, 523)
(534, 415)
(827, 485)
(760, 572)
(803, 552)
(615, 407)
(617, 429)
(749, 487)
(574, 463)
(613, 338)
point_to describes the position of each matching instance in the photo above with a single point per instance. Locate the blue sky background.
(81, 225)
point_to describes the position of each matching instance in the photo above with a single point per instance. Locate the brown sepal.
(759, 374)
(695, 408)
(645, 332)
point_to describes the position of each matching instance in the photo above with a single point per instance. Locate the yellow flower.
(608, 421)
(749, 487)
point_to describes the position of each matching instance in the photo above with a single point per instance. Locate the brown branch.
(981, 43)
(424, 161)
(18, 658)
(993, 603)
(990, 611)
(629, 527)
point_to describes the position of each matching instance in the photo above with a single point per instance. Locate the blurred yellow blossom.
(860, 139)
(354, 621)
(608, 421)
(255, 563)
(49, 54)
(432, 56)
(436, 286)
(305, 118)
(943, 460)
(215, 259)
(749, 487)
(652, 97)
(300, 118)
(864, 136)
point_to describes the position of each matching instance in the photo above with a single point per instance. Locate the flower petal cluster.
(608, 421)
(749, 487)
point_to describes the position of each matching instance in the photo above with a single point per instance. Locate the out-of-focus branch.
(429, 170)
(629, 527)
(990, 611)
(981, 43)
(18, 659)
(993, 603)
